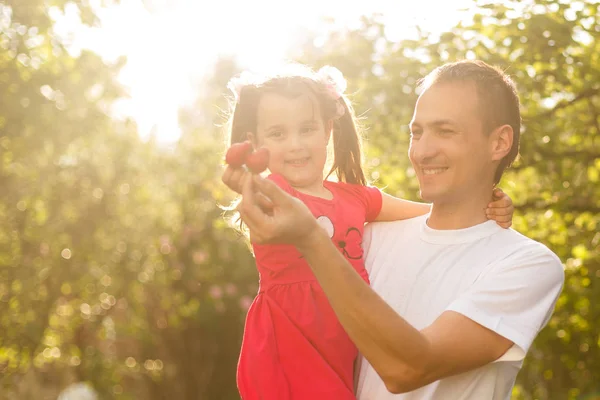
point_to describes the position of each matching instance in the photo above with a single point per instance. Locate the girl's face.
(296, 136)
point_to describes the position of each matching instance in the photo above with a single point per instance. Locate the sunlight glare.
(171, 44)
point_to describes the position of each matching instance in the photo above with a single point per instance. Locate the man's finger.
(226, 177)
(271, 190)
(236, 178)
(264, 202)
(250, 211)
(232, 178)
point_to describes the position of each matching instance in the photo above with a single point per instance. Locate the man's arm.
(404, 357)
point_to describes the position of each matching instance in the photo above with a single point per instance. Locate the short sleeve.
(372, 199)
(367, 245)
(516, 297)
(369, 197)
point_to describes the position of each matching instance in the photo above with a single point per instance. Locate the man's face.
(449, 151)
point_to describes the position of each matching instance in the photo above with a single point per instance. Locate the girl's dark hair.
(301, 80)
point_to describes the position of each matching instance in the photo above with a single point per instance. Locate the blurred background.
(117, 268)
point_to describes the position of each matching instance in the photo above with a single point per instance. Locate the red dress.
(294, 347)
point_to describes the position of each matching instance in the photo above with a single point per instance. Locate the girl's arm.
(392, 208)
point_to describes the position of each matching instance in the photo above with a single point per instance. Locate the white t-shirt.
(496, 277)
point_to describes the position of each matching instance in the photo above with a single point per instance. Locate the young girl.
(293, 345)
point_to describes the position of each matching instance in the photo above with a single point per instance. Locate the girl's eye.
(275, 134)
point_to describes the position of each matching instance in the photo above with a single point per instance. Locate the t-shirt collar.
(456, 236)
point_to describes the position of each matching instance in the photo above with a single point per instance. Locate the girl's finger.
(497, 192)
(499, 211)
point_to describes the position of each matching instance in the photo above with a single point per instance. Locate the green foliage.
(115, 265)
(117, 268)
(552, 50)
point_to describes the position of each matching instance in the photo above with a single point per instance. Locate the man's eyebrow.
(436, 123)
(441, 122)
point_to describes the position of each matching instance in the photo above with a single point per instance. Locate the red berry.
(237, 154)
(258, 161)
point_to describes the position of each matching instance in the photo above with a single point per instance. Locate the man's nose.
(424, 148)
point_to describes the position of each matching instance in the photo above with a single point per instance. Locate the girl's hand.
(501, 209)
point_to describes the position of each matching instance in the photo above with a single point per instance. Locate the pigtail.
(235, 135)
(347, 152)
(347, 156)
(243, 117)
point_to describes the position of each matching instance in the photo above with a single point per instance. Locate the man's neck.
(459, 214)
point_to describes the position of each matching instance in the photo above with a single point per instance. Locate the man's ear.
(501, 140)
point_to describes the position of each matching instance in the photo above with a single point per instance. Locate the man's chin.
(428, 196)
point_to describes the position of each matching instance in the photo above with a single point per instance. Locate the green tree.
(551, 49)
(116, 266)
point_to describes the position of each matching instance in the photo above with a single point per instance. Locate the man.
(455, 301)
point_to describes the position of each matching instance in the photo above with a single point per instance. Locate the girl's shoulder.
(369, 198)
(282, 183)
(352, 189)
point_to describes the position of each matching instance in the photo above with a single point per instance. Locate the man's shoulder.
(518, 248)
(525, 245)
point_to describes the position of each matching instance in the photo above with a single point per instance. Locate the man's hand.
(234, 177)
(288, 221)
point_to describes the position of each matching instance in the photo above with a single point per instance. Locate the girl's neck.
(316, 191)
